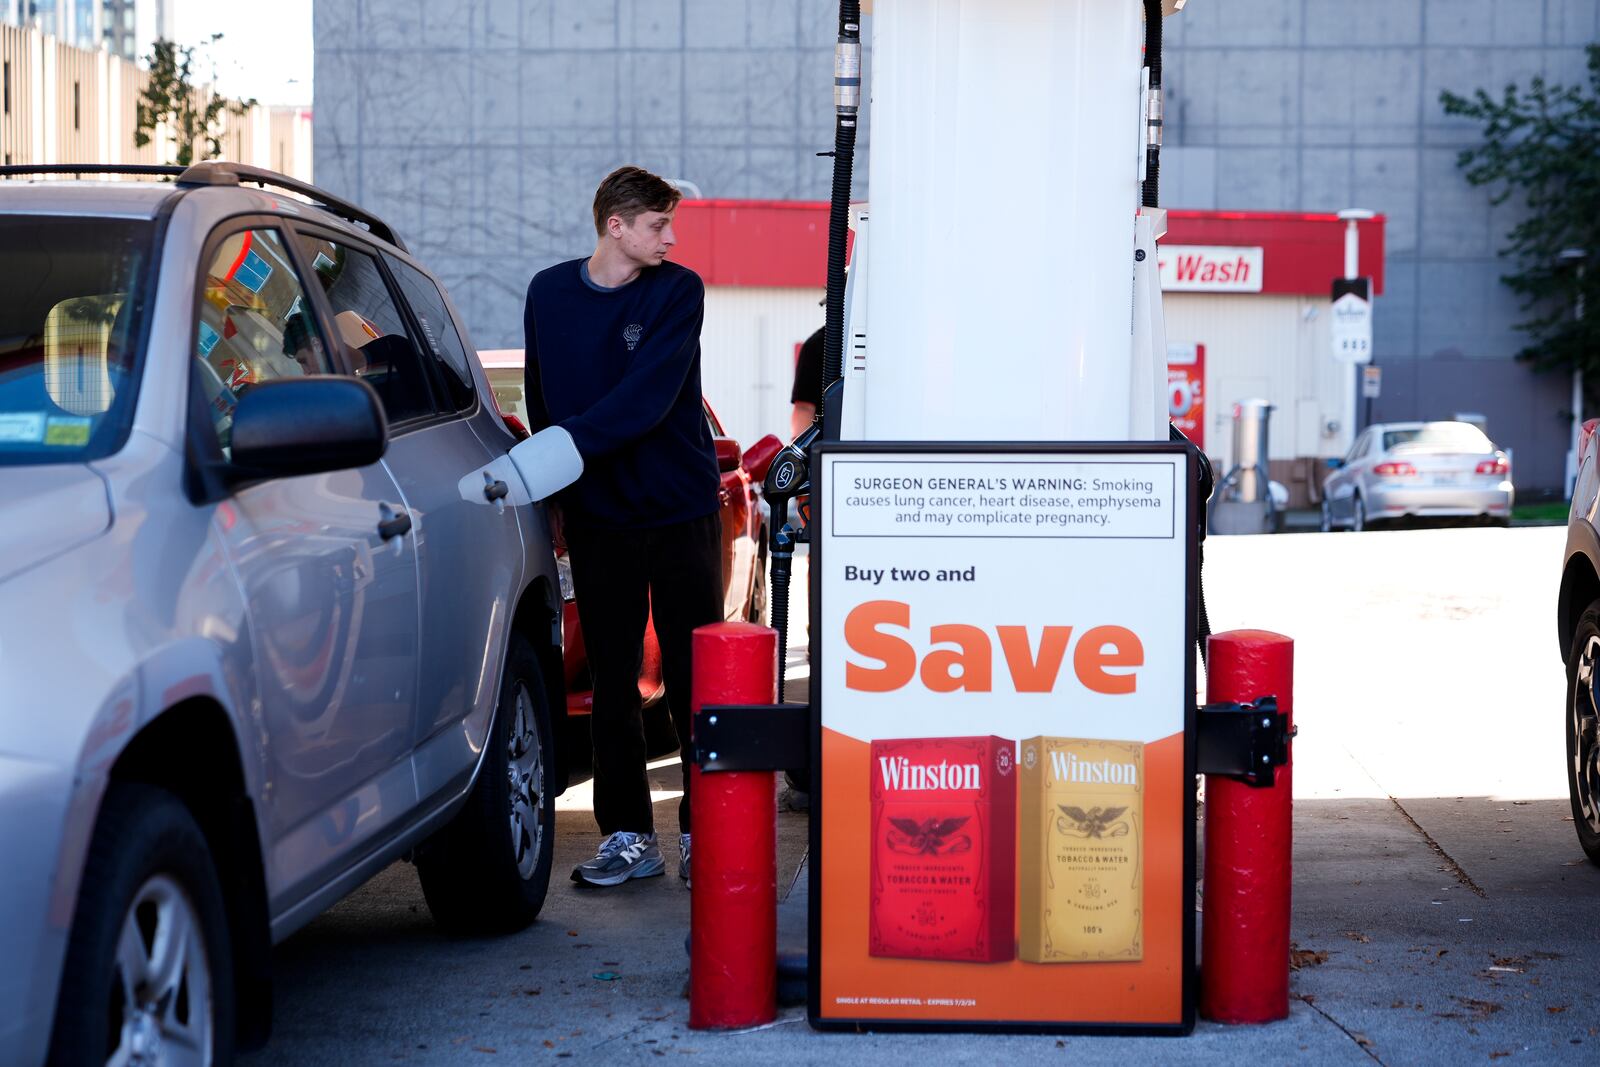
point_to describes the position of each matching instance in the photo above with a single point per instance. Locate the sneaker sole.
(642, 870)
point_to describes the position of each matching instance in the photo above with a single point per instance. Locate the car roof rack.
(219, 172)
(78, 170)
(225, 172)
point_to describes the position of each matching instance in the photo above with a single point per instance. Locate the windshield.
(70, 299)
(1457, 436)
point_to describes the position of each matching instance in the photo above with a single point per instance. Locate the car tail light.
(1498, 465)
(514, 424)
(1394, 470)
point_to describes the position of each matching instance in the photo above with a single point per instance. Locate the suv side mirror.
(307, 426)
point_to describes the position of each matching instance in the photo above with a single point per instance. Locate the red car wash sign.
(1002, 682)
(1210, 268)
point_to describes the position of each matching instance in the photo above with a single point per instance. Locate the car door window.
(369, 323)
(253, 324)
(439, 334)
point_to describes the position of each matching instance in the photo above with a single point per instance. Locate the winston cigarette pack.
(943, 883)
(1082, 840)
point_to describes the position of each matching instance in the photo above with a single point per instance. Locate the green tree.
(193, 112)
(1543, 146)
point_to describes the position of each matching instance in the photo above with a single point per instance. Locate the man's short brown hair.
(629, 192)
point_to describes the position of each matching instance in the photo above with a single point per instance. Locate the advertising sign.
(1352, 321)
(1371, 381)
(1186, 390)
(1003, 677)
(1210, 268)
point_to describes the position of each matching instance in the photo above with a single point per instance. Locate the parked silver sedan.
(275, 607)
(1423, 470)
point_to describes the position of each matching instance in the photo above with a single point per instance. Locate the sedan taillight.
(1498, 466)
(1394, 470)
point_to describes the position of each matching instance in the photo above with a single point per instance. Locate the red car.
(744, 543)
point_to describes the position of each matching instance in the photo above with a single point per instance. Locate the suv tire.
(149, 873)
(488, 870)
(1583, 731)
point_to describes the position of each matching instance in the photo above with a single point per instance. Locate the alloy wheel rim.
(161, 989)
(525, 774)
(1585, 726)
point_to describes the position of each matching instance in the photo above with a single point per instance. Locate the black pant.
(621, 577)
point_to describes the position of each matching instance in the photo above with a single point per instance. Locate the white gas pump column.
(1004, 181)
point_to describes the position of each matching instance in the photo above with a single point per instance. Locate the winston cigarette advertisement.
(1002, 676)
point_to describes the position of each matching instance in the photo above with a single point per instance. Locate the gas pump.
(1005, 560)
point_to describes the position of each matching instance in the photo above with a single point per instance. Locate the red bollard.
(1244, 968)
(733, 907)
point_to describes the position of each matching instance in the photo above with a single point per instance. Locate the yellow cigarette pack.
(1081, 822)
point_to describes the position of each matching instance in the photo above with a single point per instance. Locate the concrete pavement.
(1442, 907)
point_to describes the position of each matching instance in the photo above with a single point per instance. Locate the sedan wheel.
(1359, 523)
(1583, 734)
(1327, 516)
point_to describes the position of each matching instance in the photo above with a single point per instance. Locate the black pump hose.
(1152, 59)
(846, 101)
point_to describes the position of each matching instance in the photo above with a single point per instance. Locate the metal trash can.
(1243, 501)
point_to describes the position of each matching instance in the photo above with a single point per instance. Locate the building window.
(77, 109)
(8, 86)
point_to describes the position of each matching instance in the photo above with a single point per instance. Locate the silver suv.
(275, 607)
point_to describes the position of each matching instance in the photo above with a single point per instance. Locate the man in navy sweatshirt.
(613, 357)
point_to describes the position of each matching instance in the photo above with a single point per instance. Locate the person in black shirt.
(613, 357)
(806, 394)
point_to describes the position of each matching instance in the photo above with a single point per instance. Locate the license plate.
(1446, 478)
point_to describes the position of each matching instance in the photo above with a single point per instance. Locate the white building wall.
(747, 350)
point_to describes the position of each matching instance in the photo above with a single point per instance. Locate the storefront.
(1247, 309)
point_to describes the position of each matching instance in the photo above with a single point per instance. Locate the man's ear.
(615, 226)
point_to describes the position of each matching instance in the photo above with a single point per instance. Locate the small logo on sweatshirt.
(631, 334)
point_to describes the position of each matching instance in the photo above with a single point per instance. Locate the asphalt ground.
(1443, 911)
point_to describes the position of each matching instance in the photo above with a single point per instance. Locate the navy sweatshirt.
(619, 369)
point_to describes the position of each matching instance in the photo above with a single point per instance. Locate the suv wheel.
(488, 870)
(148, 976)
(1583, 731)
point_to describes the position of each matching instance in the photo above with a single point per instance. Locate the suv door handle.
(496, 490)
(397, 526)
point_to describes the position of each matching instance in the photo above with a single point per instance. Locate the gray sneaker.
(623, 855)
(683, 859)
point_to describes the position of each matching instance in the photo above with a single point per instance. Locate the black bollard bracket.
(1246, 742)
(752, 737)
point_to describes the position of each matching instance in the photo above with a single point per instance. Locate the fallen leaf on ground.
(532, 992)
(549, 1044)
(1481, 1009)
(1305, 957)
(1498, 1055)
(1556, 1009)
(572, 933)
(485, 1048)
(1357, 936)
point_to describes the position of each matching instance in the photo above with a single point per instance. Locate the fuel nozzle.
(789, 476)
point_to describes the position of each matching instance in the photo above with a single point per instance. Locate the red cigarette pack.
(943, 868)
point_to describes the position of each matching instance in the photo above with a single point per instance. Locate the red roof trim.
(784, 243)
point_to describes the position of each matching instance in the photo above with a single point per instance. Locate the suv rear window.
(74, 292)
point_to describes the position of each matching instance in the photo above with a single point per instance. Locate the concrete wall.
(480, 128)
(1312, 105)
